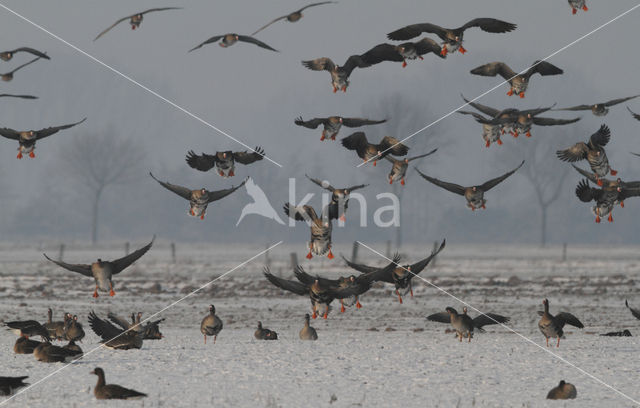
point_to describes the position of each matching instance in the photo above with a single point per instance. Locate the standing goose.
(474, 194)
(227, 40)
(463, 324)
(27, 139)
(8, 55)
(102, 271)
(264, 334)
(337, 208)
(564, 390)
(519, 82)
(593, 151)
(308, 332)
(369, 151)
(8, 76)
(551, 326)
(73, 330)
(24, 345)
(113, 337)
(634, 312)
(403, 52)
(9, 384)
(199, 199)
(112, 391)
(399, 275)
(399, 167)
(135, 19)
(578, 4)
(211, 325)
(339, 74)
(28, 328)
(321, 228)
(293, 16)
(452, 37)
(223, 161)
(48, 353)
(56, 329)
(600, 108)
(332, 124)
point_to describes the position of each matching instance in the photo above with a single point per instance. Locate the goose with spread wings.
(227, 40)
(592, 151)
(8, 55)
(8, 76)
(452, 37)
(292, 17)
(463, 324)
(600, 108)
(402, 52)
(474, 194)
(224, 162)
(373, 152)
(198, 199)
(606, 183)
(339, 73)
(333, 124)
(551, 326)
(518, 82)
(103, 271)
(320, 226)
(399, 167)
(606, 198)
(27, 139)
(337, 208)
(113, 337)
(399, 275)
(135, 19)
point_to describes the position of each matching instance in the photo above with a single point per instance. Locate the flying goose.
(24, 345)
(578, 4)
(112, 391)
(73, 330)
(369, 151)
(8, 76)
(564, 390)
(211, 325)
(634, 312)
(551, 326)
(593, 151)
(9, 384)
(452, 37)
(491, 133)
(135, 19)
(102, 271)
(474, 194)
(28, 328)
(339, 74)
(320, 227)
(337, 208)
(399, 275)
(600, 108)
(606, 183)
(332, 124)
(293, 16)
(56, 329)
(27, 139)
(399, 167)
(264, 334)
(605, 198)
(18, 96)
(465, 325)
(308, 332)
(7, 55)
(113, 337)
(224, 162)
(519, 82)
(227, 40)
(48, 353)
(403, 52)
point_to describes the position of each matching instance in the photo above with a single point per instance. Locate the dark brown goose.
(332, 124)
(623, 333)
(564, 390)
(102, 271)
(8, 76)
(465, 325)
(634, 312)
(211, 325)
(73, 347)
(308, 332)
(321, 228)
(293, 16)
(149, 331)
(551, 326)
(519, 82)
(18, 96)
(8, 55)
(605, 198)
(369, 151)
(399, 275)
(135, 19)
(73, 330)
(578, 4)
(28, 328)
(224, 162)
(8, 385)
(600, 108)
(48, 353)
(403, 52)
(227, 40)
(474, 194)
(56, 329)
(113, 391)
(27, 139)
(339, 74)
(611, 184)
(24, 345)
(593, 151)
(337, 208)
(199, 199)
(264, 334)
(400, 166)
(452, 37)
(113, 337)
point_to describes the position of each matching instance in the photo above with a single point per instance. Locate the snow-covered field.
(384, 354)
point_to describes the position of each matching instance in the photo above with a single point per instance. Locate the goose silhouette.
(260, 205)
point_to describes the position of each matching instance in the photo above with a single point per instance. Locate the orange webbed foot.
(221, 173)
(621, 204)
(309, 256)
(32, 155)
(404, 64)
(314, 315)
(390, 180)
(574, 11)
(335, 89)
(343, 218)
(499, 142)
(510, 92)
(342, 309)
(402, 182)
(483, 207)
(610, 219)
(374, 162)
(600, 182)
(19, 156)
(344, 89)
(488, 144)
(358, 305)
(585, 8)
(333, 137)
(528, 134)
(330, 255)
(112, 293)
(95, 293)
(598, 219)
(462, 50)
(444, 51)
(521, 95)
(613, 172)
(326, 314)
(202, 216)
(231, 173)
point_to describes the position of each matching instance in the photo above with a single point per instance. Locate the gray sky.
(255, 94)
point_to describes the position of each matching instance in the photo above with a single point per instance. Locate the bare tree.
(98, 161)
